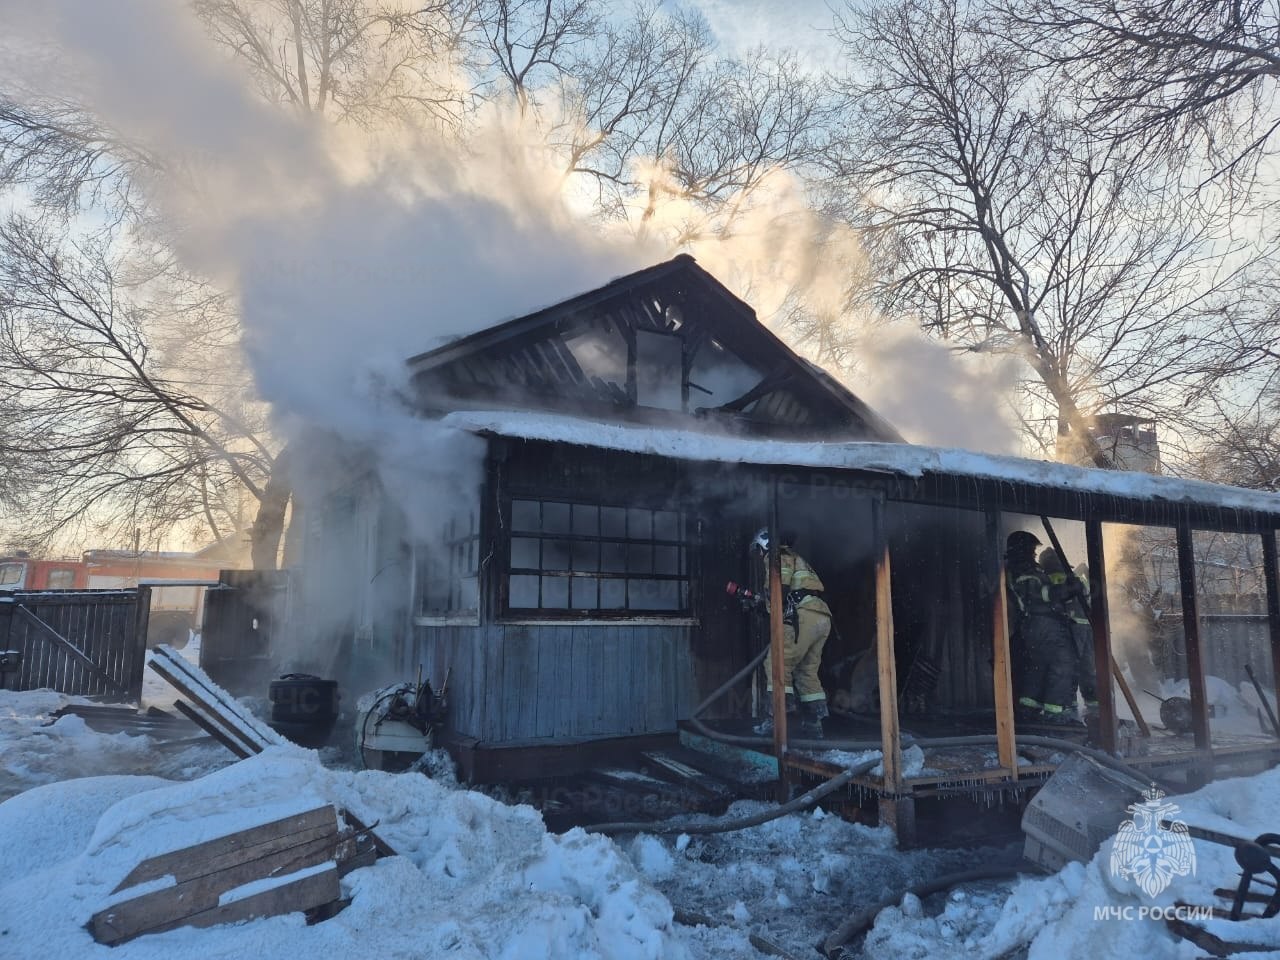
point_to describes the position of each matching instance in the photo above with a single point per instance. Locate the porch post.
(1001, 667)
(896, 810)
(1100, 618)
(1191, 630)
(777, 675)
(1271, 570)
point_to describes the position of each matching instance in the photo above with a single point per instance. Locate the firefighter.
(1086, 674)
(806, 622)
(1046, 650)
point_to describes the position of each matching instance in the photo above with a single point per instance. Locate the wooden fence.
(1229, 641)
(83, 642)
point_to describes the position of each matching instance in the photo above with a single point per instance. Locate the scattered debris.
(212, 708)
(1078, 808)
(226, 721)
(109, 718)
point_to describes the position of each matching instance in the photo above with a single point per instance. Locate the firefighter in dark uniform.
(1046, 653)
(806, 623)
(1086, 674)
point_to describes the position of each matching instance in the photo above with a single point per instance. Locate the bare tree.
(110, 428)
(531, 44)
(1172, 74)
(349, 60)
(1004, 225)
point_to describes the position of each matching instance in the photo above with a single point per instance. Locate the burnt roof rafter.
(675, 297)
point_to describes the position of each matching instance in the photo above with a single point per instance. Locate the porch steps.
(682, 767)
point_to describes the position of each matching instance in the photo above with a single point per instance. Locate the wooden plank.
(1191, 632)
(604, 672)
(311, 889)
(227, 851)
(173, 905)
(243, 718)
(738, 756)
(1100, 618)
(205, 694)
(645, 693)
(493, 669)
(699, 779)
(469, 648)
(545, 693)
(1002, 673)
(890, 740)
(213, 729)
(564, 681)
(384, 849)
(200, 705)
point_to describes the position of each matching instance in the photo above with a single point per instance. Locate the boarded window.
(589, 560)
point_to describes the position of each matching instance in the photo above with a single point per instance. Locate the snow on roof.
(897, 458)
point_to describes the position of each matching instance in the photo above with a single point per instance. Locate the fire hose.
(843, 778)
(977, 740)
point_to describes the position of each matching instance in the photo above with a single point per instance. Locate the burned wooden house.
(635, 437)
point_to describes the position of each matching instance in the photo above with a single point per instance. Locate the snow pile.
(34, 752)
(1236, 710)
(475, 878)
(1083, 911)
(900, 458)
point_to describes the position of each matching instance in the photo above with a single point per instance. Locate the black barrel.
(304, 708)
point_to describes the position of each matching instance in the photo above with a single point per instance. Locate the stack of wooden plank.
(113, 718)
(285, 866)
(210, 707)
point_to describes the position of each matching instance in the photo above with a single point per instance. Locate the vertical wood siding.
(548, 682)
(107, 627)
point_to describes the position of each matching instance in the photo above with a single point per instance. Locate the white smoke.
(351, 252)
(803, 274)
(347, 255)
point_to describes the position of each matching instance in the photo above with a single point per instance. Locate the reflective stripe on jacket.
(798, 575)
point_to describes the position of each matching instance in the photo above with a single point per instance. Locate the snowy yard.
(478, 878)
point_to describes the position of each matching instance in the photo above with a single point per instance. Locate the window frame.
(688, 539)
(464, 537)
(67, 574)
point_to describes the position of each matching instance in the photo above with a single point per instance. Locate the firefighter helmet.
(760, 542)
(1021, 543)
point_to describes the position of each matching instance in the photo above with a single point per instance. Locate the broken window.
(448, 569)
(717, 377)
(659, 370)
(592, 560)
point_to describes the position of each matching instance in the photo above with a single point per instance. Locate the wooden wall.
(543, 682)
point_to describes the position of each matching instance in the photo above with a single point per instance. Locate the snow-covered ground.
(479, 878)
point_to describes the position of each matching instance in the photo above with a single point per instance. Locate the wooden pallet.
(286, 866)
